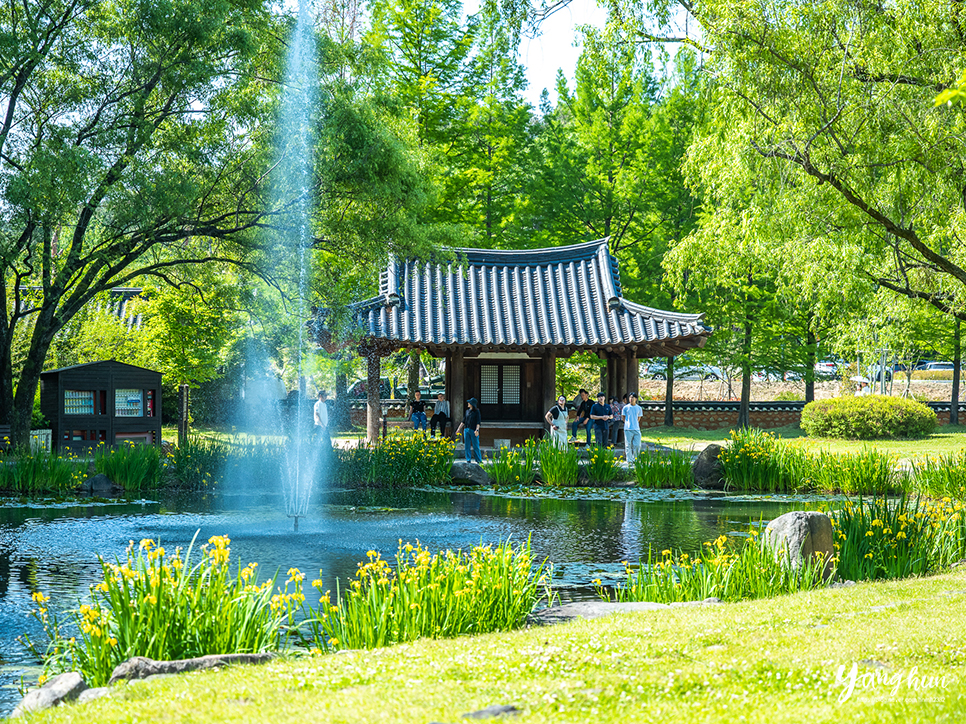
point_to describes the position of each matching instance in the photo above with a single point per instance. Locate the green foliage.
(788, 396)
(434, 596)
(514, 466)
(867, 418)
(755, 460)
(404, 458)
(751, 571)
(36, 473)
(132, 466)
(941, 475)
(887, 538)
(663, 469)
(558, 466)
(166, 607)
(199, 462)
(602, 465)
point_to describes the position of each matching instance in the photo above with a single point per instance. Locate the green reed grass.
(941, 475)
(134, 467)
(403, 458)
(663, 469)
(717, 570)
(164, 607)
(602, 465)
(25, 472)
(199, 462)
(436, 596)
(514, 466)
(559, 466)
(897, 537)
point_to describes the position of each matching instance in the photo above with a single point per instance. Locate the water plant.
(132, 466)
(512, 466)
(717, 570)
(663, 469)
(27, 472)
(403, 458)
(430, 595)
(559, 466)
(941, 475)
(166, 607)
(883, 537)
(602, 465)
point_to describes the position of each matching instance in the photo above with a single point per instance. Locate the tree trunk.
(810, 368)
(957, 355)
(342, 421)
(669, 394)
(412, 383)
(744, 414)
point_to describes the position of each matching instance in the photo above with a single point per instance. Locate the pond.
(53, 548)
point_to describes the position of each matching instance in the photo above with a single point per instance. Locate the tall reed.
(663, 469)
(559, 466)
(25, 472)
(514, 466)
(941, 475)
(134, 467)
(602, 465)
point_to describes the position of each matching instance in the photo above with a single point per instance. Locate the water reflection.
(54, 548)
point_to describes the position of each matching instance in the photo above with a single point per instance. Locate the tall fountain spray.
(295, 143)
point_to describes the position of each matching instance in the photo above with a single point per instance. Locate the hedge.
(868, 418)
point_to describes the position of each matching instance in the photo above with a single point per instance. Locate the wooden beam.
(621, 377)
(457, 402)
(373, 406)
(548, 373)
(633, 373)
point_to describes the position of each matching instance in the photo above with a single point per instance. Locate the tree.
(126, 150)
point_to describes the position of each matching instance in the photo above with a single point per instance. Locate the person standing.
(441, 415)
(321, 414)
(557, 418)
(632, 429)
(417, 411)
(601, 415)
(470, 427)
(618, 422)
(583, 415)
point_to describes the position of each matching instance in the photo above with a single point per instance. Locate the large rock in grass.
(706, 468)
(469, 474)
(141, 667)
(100, 486)
(62, 688)
(800, 536)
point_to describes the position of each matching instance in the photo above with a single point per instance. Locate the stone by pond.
(587, 534)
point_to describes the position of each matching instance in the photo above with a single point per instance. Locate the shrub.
(788, 396)
(28, 473)
(130, 465)
(514, 466)
(162, 607)
(435, 596)
(559, 466)
(867, 418)
(751, 571)
(663, 469)
(889, 538)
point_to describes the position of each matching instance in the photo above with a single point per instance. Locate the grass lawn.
(947, 438)
(770, 660)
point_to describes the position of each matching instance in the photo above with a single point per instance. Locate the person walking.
(557, 418)
(601, 415)
(632, 429)
(618, 422)
(470, 427)
(417, 411)
(321, 415)
(441, 415)
(583, 415)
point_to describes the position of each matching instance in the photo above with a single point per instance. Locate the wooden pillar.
(457, 401)
(183, 412)
(602, 386)
(373, 406)
(633, 370)
(548, 371)
(621, 377)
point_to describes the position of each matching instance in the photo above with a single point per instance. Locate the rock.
(706, 468)
(141, 667)
(801, 535)
(100, 486)
(588, 609)
(91, 694)
(61, 688)
(493, 711)
(469, 474)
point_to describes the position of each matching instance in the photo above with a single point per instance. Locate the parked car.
(937, 367)
(874, 373)
(828, 369)
(684, 369)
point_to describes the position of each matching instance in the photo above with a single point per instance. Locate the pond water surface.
(53, 548)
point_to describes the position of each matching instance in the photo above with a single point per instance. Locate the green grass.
(766, 660)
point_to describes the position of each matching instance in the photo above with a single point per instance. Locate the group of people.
(606, 419)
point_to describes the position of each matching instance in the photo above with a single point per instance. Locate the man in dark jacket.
(583, 416)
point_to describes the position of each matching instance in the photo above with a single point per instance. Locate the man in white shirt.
(322, 419)
(632, 429)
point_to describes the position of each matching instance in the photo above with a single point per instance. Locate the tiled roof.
(567, 297)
